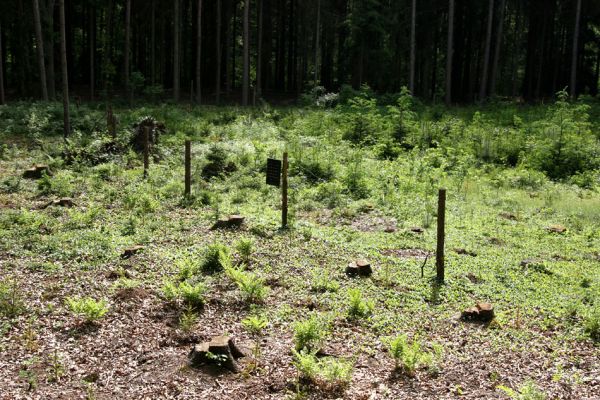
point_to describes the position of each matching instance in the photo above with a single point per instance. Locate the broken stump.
(220, 351)
(36, 172)
(131, 251)
(360, 268)
(64, 202)
(482, 312)
(230, 222)
(556, 228)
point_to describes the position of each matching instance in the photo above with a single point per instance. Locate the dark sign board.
(273, 172)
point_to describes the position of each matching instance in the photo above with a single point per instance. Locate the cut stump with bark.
(36, 172)
(64, 202)
(359, 268)
(220, 351)
(230, 222)
(131, 251)
(556, 228)
(482, 312)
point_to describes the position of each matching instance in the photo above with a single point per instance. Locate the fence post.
(188, 168)
(146, 150)
(284, 191)
(441, 227)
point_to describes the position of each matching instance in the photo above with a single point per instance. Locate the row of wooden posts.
(441, 214)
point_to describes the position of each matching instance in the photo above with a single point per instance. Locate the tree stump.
(359, 268)
(131, 251)
(482, 312)
(220, 351)
(556, 228)
(230, 222)
(64, 202)
(36, 172)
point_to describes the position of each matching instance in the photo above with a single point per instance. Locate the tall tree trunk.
(499, 32)
(48, 17)
(176, 66)
(218, 45)
(128, 48)
(199, 56)
(317, 42)
(486, 57)
(65, 73)
(153, 43)
(107, 48)
(449, 53)
(92, 52)
(573, 86)
(40, 48)
(2, 100)
(259, 51)
(413, 27)
(246, 77)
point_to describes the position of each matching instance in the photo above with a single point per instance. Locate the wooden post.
(441, 225)
(284, 191)
(146, 150)
(188, 168)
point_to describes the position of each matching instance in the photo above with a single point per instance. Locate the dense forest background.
(209, 51)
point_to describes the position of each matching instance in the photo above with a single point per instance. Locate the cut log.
(36, 172)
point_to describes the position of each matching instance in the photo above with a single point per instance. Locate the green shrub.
(528, 391)
(216, 259)
(252, 286)
(323, 282)
(90, 309)
(408, 356)
(358, 307)
(187, 265)
(218, 163)
(592, 325)
(309, 334)
(245, 247)
(328, 372)
(11, 300)
(193, 295)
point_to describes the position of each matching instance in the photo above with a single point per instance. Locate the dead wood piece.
(417, 229)
(507, 215)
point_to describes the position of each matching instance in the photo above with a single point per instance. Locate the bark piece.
(131, 251)
(482, 312)
(36, 172)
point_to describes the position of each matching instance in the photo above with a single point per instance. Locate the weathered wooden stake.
(441, 222)
(110, 122)
(146, 150)
(188, 168)
(284, 191)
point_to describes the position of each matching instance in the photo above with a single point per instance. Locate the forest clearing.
(83, 318)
